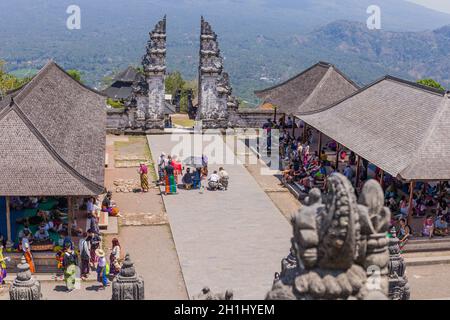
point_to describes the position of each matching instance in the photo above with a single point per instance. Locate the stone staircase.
(44, 262)
(422, 252)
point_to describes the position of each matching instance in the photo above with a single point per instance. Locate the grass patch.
(187, 123)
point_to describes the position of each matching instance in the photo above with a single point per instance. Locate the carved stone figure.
(128, 285)
(206, 294)
(25, 287)
(215, 92)
(398, 282)
(340, 246)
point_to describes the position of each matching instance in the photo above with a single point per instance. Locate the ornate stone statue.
(398, 282)
(340, 246)
(25, 287)
(128, 285)
(215, 99)
(206, 294)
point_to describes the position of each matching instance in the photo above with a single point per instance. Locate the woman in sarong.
(27, 251)
(2, 265)
(115, 258)
(171, 186)
(143, 171)
(70, 263)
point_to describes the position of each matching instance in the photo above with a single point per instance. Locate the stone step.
(49, 277)
(426, 261)
(425, 245)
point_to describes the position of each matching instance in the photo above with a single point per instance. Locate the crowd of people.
(55, 233)
(307, 169)
(173, 175)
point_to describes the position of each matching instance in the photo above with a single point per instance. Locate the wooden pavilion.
(401, 127)
(52, 140)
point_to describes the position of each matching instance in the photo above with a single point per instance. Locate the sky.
(440, 5)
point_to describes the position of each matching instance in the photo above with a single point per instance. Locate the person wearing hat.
(102, 268)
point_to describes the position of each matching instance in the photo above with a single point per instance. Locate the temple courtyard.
(230, 239)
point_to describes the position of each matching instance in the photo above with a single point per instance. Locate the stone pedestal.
(128, 285)
(398, 282)
(25, 287)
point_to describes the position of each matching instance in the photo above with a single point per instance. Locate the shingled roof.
(121, 89)
(316, 87)
(400, 126)
(52, 137)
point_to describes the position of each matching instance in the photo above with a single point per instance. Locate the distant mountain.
(263, 41)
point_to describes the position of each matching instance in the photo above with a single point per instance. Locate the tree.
(75, 74)
(431, 83)
(8, 82)
(174, 82)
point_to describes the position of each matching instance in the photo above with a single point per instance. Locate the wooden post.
(8, 219)
(337, 157)
(358, 170)
(304, 131)
(382, 179)
(410, 203)
(69, 215)
(319, 144)
(293, 127)
(275, 115)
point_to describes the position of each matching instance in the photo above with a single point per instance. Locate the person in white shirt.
(213, 181)
(41, 234)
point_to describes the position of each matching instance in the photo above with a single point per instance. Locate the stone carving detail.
(398, 282)
(340, 246)
(128, 285)
(147, 103)
(25, 287)
(206, 294)
(215, 92)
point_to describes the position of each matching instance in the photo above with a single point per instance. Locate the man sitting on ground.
(441, 227)
(187, 179)
(224, 177)
(213, 181)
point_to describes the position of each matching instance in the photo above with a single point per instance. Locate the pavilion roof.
(400, 126)
(316, 87)
(52, 137)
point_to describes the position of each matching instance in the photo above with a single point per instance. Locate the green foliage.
(9, 82)
(174, 82)
(431, 83)
(75, 74)
(115, 104)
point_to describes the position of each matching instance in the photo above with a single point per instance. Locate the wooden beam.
(304, 131)
(412, 184)
(8, 219)
(275, 115)
(358, 171)
(319, 144)
(337, 157)
(69, 216)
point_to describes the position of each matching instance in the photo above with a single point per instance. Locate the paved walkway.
(226, 240)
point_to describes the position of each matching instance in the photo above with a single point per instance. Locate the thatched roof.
(319, 86)
(52, 137)
(400, 126)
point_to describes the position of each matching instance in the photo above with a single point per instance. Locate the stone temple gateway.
(215, 99)
(145, 109)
